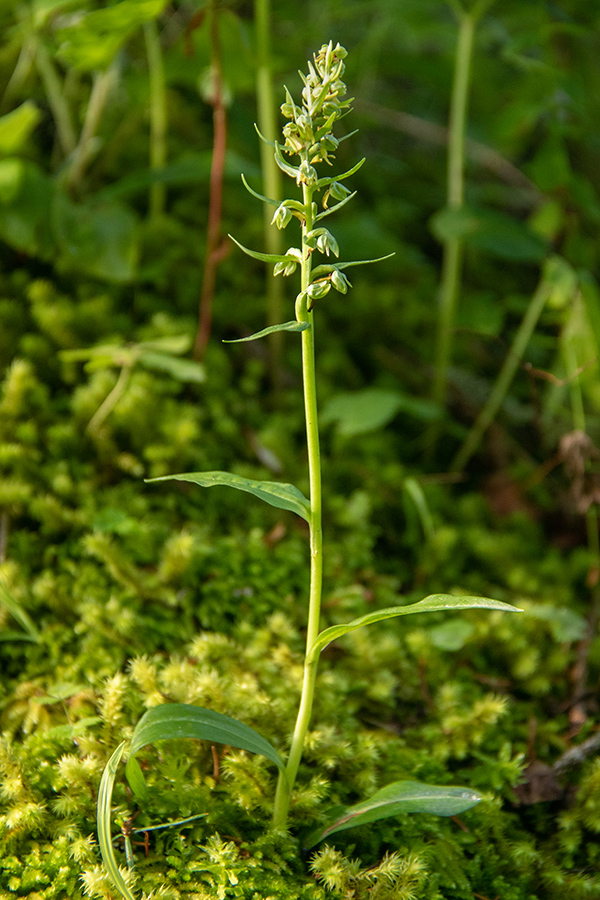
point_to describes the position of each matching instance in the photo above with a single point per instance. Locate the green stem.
(504, 379)
(304, 314)
(453, 247)
(60, 110)
(110, 401)
(158, 115)
(103, 82)
(271, 173)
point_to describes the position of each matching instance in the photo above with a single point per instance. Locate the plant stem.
(304, 314)
(60, 110)
(103, 82)
(453, 247)
(158, 115)
(214, 252)
(271, 174)
(110, 401)
(505, 376)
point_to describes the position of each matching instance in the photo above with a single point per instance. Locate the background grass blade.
(433, 603)
(398, 798)
(282, 496)
(104, 822)
(174, 721)
(19, 614)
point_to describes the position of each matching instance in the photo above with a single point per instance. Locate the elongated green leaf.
(332, 209)
(396, 799)
(287, 326)
(325, 182)
(174, 721)
(282, 496)
(362, 262)
(259, 196)
(263, 257)
(433, 603)
(105, 791)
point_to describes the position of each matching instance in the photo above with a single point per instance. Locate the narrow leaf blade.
(174, 721)
(325, 182)
(287, 326)
(263, 257)
(433, 603)
(362, 262)
(399, 798)
(105, 791)
(275, 493)
(259, 196)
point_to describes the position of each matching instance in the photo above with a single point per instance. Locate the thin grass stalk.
(271, 173)
(453, 248)
(101, 88)
(286, 781)
(214, 251)
(58, 105)
(158, 115)
(505, 377)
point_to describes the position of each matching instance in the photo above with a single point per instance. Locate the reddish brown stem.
(214, 250)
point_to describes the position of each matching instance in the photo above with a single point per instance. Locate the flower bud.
(318, 289)
(281, 217)
(340, 282)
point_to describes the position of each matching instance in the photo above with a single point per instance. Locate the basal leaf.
(433, 603)
(396, 799)
(174, 721)
(105, 791)
(282, 496)
(287, 326)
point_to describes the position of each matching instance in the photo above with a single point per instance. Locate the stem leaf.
(325, 182)
(259, 196)
(275, 493)
(396, 799)
(174, 721)
(263, 257)
(287, 326)
(433, 603)
(105, 791)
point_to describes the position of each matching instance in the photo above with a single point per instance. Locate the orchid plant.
(309, 143)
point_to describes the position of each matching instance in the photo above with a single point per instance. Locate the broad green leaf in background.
(92, 42)
(396, 799)
(451, 635)
(181, 369)
(99, 239)
(174, 721)
(565, 624)
(489, 230)
(104, 822)
(433, 603)
(287, 326)
(26, 195)
(282, 496)
(16, 126)
(363, 411)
